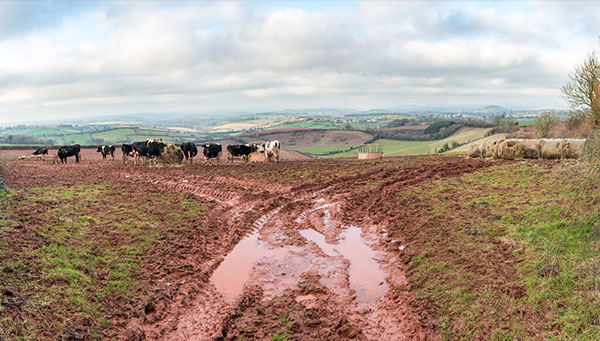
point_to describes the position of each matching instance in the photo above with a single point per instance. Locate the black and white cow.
(106, 150)
(272, 151)
(127, 150)
(41, 151)
(189, 150)
(212, 151)
(240, 150)
(65, 151)
(149, 150)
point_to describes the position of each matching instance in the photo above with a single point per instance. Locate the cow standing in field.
(189, 150)
(41, 151)
(272, 151)
(127, 150)
(212, 151)
(240, 150)
(106, 150)
(65, 151)
(149, 150)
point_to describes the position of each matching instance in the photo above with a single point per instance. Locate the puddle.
(279, 268)
(366, 277)
(319, 239)
(233, 272)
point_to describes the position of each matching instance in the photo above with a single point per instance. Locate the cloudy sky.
(77, 59)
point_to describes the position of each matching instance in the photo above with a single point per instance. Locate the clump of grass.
(283, 333)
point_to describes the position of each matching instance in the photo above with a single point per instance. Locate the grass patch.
(80, 259)
(488, 284)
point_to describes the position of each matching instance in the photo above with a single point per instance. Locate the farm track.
(296, 274)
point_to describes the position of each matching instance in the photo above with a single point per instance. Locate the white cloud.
(198, 57)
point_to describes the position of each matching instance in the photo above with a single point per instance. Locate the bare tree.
(545, 122)
(583, 90)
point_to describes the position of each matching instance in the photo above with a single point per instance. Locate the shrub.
(435, 127)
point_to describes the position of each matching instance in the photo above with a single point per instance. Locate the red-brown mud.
(283, 251)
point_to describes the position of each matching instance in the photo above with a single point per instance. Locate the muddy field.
(300, 250)
(271, 243)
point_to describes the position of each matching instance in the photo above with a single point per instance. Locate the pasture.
(397, 148)
(62, 135)
(453, 248)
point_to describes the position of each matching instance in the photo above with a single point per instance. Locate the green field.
(115, 134)
(87, 135)
(324, 125)
(320, 150)
(310, 124)
(44, 131)
(396, 148)
(74, 138)
(526, 122)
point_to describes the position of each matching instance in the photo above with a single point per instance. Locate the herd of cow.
(512, 149)
(150, 151)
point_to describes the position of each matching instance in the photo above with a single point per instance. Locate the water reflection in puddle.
(366, 277)
(318, 238)
(231, 274)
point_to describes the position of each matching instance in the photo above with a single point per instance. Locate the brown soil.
(298, 289)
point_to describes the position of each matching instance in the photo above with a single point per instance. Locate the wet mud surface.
(299, 249)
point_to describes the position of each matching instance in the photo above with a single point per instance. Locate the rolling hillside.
(311, 141)
(396, 148)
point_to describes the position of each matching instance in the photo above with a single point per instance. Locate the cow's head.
(99, 149)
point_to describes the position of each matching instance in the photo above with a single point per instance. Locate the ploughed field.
(399, 248)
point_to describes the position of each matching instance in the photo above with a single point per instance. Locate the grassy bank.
(509, 252)
(76, 255)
